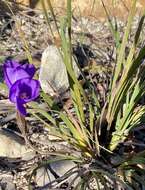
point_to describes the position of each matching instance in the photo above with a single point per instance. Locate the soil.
(89, 8)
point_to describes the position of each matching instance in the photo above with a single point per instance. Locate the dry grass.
(92, 8)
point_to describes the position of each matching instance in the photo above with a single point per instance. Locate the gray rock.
(13, 146)
(53, 76)
(56, 169)
(6, 182)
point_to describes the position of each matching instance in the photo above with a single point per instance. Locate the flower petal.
(6, 78)
(14, 71)
(28, 87)
(12, 75)
(11, 63)
(29, 68)
(35, 87)
(14, 92)
(20, 106)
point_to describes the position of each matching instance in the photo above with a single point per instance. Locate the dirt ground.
(93, 8)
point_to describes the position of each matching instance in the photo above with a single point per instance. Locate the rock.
(5, 105)
(53, 76)
(54, 170)
(13, 146)
(6, 182)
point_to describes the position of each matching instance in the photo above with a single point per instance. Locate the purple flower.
(22, 88)
(14, 71)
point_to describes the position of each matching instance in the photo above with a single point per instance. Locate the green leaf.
(75, 131)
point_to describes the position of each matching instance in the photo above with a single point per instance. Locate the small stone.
(13, 146)
(53, 75)
(41, 16)
(35, 135)
(23, 21)
(56, 169)
(6, 182)
(43, 138)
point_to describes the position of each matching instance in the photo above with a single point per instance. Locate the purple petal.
(26, 89)
(11, 64)
(7, 81)
(30, 69)
(14, 71)
(20, 106)
(13, 74)
(35, 87)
